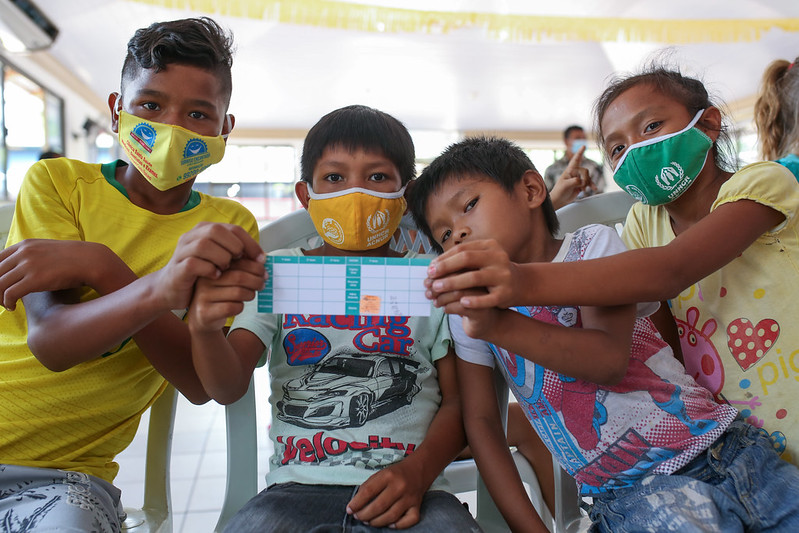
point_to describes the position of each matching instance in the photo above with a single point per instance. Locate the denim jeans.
(738, 484)
(297, 508)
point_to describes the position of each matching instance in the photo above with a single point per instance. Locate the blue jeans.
(738, 484)
(297, 508)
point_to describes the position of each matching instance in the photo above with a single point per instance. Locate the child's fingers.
(408, 519)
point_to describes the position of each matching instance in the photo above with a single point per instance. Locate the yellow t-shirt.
(738, 326)
(81, 418)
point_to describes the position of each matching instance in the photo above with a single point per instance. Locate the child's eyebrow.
(197, 102)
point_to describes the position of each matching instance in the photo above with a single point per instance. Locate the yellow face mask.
(356, 219)
(167, 155)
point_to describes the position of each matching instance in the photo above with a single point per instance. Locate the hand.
(38, 265)
(481, 323)
(217, 299)
(391, 497)
(205, 251)
(574, 180)
(482, 265)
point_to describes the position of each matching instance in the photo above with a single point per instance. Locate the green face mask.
(659, 170)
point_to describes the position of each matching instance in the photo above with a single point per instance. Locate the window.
(32, 120)
(259, 177)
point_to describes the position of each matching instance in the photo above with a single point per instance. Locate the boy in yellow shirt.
(99, 256)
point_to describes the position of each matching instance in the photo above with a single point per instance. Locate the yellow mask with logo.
(356, 219)
(167, 155)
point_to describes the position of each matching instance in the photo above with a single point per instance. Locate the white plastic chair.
(6, 214)
(297, 229)
(155, 516)
(610, 209)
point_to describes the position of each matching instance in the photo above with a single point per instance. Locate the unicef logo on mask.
(670, 176)
(144, 134)
(377, 221)
(333, 231)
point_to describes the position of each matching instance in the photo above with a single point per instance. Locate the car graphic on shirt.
(346, 390)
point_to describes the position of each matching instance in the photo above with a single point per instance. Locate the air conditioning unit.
(26, 23)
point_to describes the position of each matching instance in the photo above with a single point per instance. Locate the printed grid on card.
(333, 285)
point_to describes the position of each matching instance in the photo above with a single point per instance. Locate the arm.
(490, 449)
(574, 179)
(643, 275)
(224, 365)
(664, 322)
(393, 496)
(130, 306)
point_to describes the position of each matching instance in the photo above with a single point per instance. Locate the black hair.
(198, 42)
(360, 127)
(686, 90)
(496, 159)
(568, 131)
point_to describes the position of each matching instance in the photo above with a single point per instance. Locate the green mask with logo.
(659, 170)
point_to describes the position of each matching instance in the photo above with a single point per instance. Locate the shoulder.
(647, 226)
(62, 170)
(592, 241)
(230, 211)
(764, 182)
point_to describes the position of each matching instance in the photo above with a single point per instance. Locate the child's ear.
(710, 122)
(227, 126)
(534, 188)
(301, 190)
(113, 105)
(409, 194)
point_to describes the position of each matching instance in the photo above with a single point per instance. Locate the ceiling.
(467, 65)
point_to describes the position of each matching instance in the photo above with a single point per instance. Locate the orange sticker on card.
(370, 304)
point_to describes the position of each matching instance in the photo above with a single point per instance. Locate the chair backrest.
(608, 208)
(6, 214)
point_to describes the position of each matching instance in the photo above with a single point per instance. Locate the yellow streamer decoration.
(516, 28)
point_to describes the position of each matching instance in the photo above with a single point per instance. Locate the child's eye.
(151, 106)
(333, 178)
(616, 150)
(445, 236)
(652, 126)
(378, 176)
(198, 115)
(470, 205)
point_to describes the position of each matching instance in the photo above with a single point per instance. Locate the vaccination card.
(335, 285)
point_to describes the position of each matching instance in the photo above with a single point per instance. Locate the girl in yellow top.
(721, 246)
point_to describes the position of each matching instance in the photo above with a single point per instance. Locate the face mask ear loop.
(229, 125)
(118, 105)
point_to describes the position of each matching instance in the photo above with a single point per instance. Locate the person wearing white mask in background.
(576, 143)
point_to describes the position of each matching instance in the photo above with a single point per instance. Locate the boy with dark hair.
(365, 460)
(599, 384)
(100, 256)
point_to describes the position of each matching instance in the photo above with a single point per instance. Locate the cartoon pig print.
(702, 360)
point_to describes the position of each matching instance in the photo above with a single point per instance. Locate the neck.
(695, 203)
(142, 194)
(537, 246)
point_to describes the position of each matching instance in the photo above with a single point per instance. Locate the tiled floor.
(198, 462)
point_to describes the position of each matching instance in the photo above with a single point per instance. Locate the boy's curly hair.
(198, 42)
